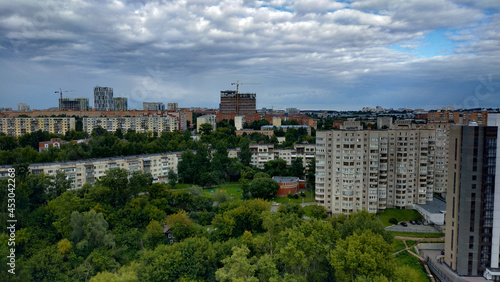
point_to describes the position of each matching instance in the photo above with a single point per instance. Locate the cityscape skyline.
(312, 55)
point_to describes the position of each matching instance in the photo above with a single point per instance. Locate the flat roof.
(435, 206)
(285, 179)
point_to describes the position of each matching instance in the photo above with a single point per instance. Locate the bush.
(290, 196)
(393, 220)
(303, 194)
(296, 196)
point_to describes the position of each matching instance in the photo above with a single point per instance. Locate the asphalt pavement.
(412, 228)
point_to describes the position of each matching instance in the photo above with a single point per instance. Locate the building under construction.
(73, 104)
(240, 103)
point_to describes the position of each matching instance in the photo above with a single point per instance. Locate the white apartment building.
(87, 171)
(210, 119)
(16, 126)
(377, 169)
(158, 124)
(262, 153)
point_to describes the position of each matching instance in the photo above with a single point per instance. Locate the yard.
(399, 215)
(413, 262)
(309, 197)
(232, 189)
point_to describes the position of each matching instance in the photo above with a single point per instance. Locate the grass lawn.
(417, 235)
(307, 199)
(184, 185)
(398, 245)
(400, 215)
(413, 262)
(232, 189)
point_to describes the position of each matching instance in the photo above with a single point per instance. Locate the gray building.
(472, 242)
(120, 104)
(103, 98)
(73, 104)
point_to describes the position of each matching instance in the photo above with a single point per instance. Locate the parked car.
(403, 223)
(413, 222)
(418, 222)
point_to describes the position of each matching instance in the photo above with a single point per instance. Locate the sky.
(307, 54)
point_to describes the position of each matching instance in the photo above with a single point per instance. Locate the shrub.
(393, 220)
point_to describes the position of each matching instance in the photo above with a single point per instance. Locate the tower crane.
(238, 83)
(61, 92)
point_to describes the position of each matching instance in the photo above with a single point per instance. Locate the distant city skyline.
(302, 54)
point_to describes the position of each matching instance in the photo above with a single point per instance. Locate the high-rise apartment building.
(473, 200)
(238, 103)
(22, 107)
(153, 106)
(210, 119)
(120, 104)
(172, 107)
(73, 104)
(377, 169)
(103, 98)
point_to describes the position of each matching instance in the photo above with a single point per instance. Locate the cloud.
(197, 48)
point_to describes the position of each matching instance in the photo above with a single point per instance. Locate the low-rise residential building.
(262, 153)
(57, 142)
(20, 126)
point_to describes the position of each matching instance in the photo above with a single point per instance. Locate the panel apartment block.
(241, 103)
(87, 171)
(473, 201)
(158, 124)
(377, 169)
(21, 126)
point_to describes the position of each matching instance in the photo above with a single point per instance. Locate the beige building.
(377, 169)
(21, 126)
(87, 171)
(210, 119)
(158, 124)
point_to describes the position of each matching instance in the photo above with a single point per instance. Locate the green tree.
(172, 178)
(297, 168)
(264, 188)
(237, 267)
(154, 234)
(311, 174)
(181, 225)
(90, 231)
(116, 179)
(206, 128)
(364, 254)
(245, 154)
(276, 168)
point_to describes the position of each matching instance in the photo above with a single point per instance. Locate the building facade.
(120, 104)
(473, 201)
(21, 126)
(153, 106)
(377, 169)
(237, 103)
(22, 107)
(87, 171)
(73, 104)
(209, 119)
(103, 98)
(155, 124)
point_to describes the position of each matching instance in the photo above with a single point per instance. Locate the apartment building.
(22, 107)
(158, 124)
(103, 98)
(153, 106)
(87, 171)
(377, 169)
(20, 126)
(472, 241)
(210, 119)
(120, 104)
(262, 153)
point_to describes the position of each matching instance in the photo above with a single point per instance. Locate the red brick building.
(288, 185)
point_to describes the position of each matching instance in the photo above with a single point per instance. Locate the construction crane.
(61, 92)
(238, 83)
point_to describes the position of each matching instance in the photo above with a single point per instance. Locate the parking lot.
(412, 228)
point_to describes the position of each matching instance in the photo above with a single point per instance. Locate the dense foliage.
(113, 230)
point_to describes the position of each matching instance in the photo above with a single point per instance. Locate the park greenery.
(113, 230)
